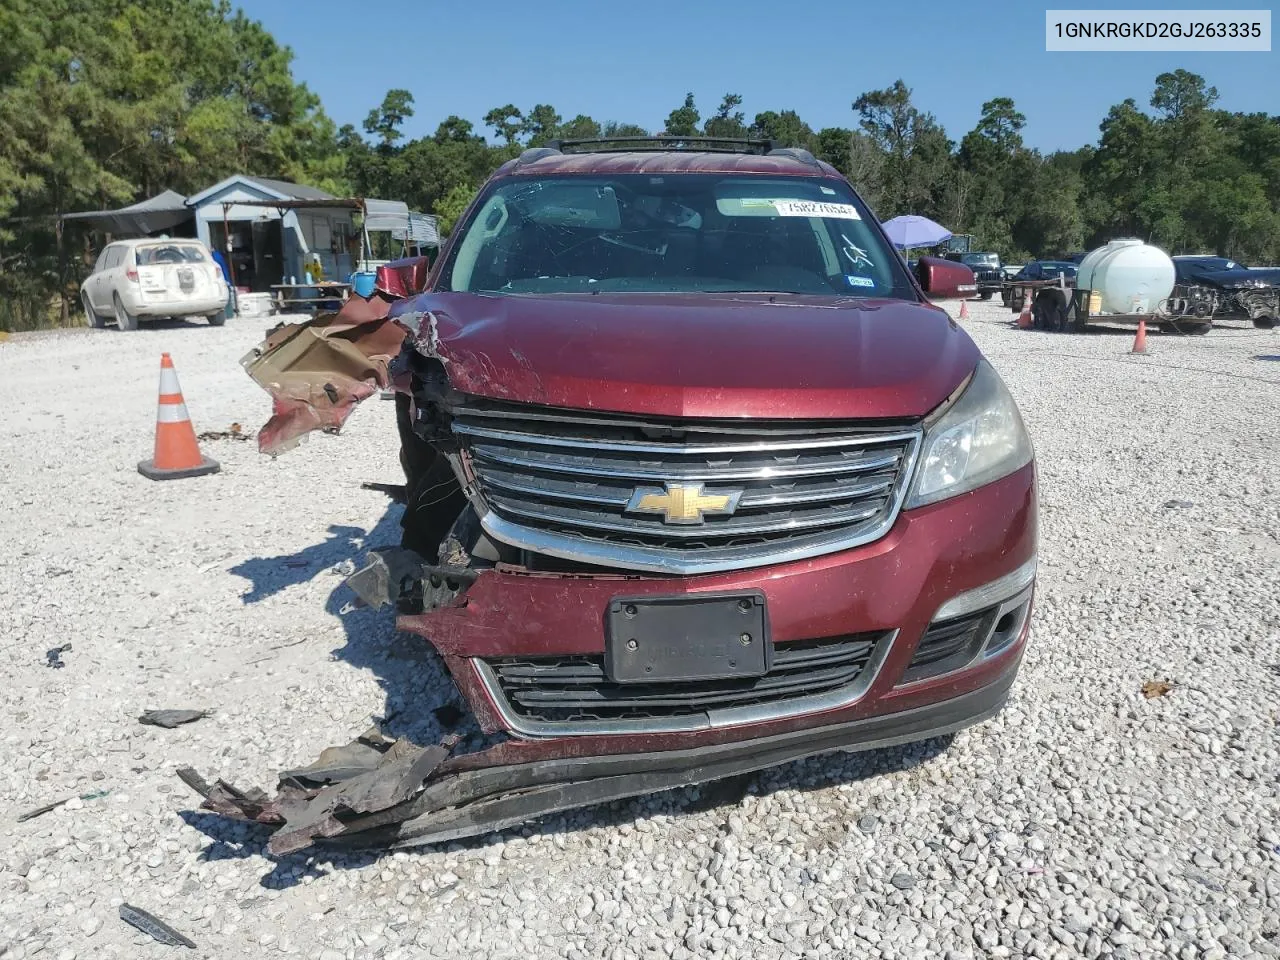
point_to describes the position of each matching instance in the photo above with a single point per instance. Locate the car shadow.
(420, 703)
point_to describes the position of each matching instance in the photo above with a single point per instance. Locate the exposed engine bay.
(1216, 288)
(1259, 304)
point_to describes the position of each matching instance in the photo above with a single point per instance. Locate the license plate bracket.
(689, 637)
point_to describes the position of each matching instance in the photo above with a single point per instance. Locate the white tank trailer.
(1127, 281)
(1126, 277)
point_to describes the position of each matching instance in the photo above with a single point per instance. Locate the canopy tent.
(380, 216)
(913, 231)
(395, 217)
(161, 212)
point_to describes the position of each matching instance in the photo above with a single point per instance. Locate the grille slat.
(715, 527)
(574, 689)
(659, 470)
(617, 494)
(565, 481)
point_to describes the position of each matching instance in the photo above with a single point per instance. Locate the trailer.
(1125, 283)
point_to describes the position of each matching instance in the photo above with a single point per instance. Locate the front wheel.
(1265, 323)
(124, 319)
(985, 294)
(95, 319)
(217, 319)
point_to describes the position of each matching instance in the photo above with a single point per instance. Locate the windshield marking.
(816, 208)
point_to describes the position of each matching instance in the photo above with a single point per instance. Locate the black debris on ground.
(172, 718)
(154, 927)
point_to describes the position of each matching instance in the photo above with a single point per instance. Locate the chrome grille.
(559, 483)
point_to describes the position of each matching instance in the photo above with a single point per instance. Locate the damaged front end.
(545, 537)
(1239, 294)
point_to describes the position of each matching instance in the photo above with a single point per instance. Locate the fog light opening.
(1009, 626)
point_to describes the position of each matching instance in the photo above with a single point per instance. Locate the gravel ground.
(1086, 820)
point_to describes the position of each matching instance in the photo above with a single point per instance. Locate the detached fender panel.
(317, 371)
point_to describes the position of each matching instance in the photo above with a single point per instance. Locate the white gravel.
(1084, 821)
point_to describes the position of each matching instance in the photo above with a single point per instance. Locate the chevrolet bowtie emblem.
(682, 502)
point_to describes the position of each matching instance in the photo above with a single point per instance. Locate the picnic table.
(308, 296)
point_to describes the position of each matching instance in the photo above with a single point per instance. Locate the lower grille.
(575, 689)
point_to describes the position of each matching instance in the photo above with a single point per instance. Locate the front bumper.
(396, 795)
(892, 589)
(156, 305)
(937, 564)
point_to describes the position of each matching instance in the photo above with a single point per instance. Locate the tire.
(985, 295)
(1049, 311)
(1265, 323)
(124, 319)
(95, 319)
(433, 497)
(217, 319)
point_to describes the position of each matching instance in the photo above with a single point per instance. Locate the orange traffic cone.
(177, 453)
(1140, 338)
(1025, 320)
(964, 310)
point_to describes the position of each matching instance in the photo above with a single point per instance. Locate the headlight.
(980, 439)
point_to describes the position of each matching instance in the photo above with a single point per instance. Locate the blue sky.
(634, 62)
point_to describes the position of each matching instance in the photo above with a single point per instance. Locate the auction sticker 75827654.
(816, 208)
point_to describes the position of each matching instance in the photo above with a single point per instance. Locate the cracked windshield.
(675, 234)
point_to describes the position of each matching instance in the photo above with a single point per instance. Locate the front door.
(268, 254)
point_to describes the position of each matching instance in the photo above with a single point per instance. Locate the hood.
(1231, 279)
(701, 355)
(1244, 277)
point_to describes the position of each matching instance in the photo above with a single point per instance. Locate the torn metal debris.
(172, 718)
(154, 927)
(233, 432)
(50, 807)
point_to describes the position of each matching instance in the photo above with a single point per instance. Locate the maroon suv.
(699, 479)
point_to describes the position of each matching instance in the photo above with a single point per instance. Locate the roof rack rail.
(662, 143)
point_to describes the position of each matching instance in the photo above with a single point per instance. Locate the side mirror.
(945, 279)
(404, 278)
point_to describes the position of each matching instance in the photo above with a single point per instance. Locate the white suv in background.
(136, 279)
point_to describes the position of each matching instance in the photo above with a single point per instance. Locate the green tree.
(915, 146)
(683, 121)
(506, 122)
(385, 122)
(453, 129)
(1124, 167)
(580, 127)
(833, 145)
(450, 208)
(109, 102)
(540, 125)
(786, 128)
(728, 121)
(615, 129)
(1182, 92)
